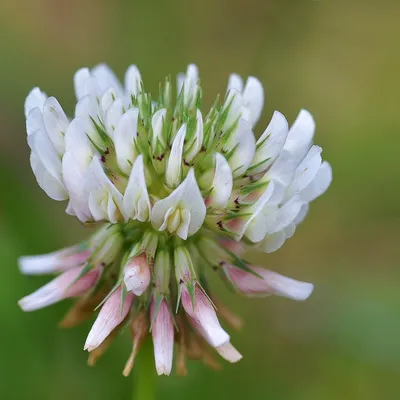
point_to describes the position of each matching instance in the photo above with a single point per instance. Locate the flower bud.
(109, 243)
(184, 270)
(137, 275)
(162, 272)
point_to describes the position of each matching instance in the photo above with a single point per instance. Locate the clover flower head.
(176, 193)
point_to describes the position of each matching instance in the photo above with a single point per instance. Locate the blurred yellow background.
(340, 60)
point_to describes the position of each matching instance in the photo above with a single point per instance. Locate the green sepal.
(241, 264)
(102, 133)
(124, 293)
(88, 267)
(158, 298)
(252, 167)
(252, 187)
(259, 144)
(232, 215)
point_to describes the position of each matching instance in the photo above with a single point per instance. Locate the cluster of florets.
(177, 193)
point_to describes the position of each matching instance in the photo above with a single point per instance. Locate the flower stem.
(144, 385)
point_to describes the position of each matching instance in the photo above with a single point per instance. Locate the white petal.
(290, 230)
(167, 214)
(102, 194)
(306, 171)
(287, 287)
(76, 160)
(234, 101)
(87, 106)
(186, 196)
(222, 183)
(287, 213)
(80, 77)
(180, 79)
(34, 121)
(56, 123)
(270, 143)
(282, 170)
(190, 85)
(73, 175)
(35, 98)
(245, 149)
(302, 214)
(113, 115)
(133, 80)
(235, 82)
(319, 184)
(106, 78)
(274, 242)
(107, 99)
(198, 139)
(157, 125)
(300, 135)
(256, 211)
(229, 352)
(253, 97)
(173, 170)
(183, 229)
(124, 139)
(44, 149)
(136, 201)
(53, 188)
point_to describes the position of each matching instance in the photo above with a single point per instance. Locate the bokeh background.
(338, 58)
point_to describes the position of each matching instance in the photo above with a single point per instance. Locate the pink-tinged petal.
(229, 353)
(110, 316)
(64, 286)
(56, 261)
(267, 283)
(137, 275)
(203, 313)
(163, 337)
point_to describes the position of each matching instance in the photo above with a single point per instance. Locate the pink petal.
(163, 338)
(56, 261)
(204, 315)
(267, 283)
(110, 316)
(60, 288)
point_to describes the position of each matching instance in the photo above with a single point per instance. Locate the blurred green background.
(340, 60)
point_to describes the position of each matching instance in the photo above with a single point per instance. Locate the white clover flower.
(176, 191)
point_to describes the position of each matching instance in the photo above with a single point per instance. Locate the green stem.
(144, 382)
